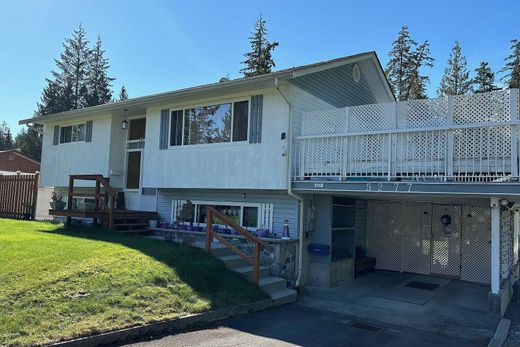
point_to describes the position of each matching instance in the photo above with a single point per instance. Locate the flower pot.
(58, 205)
(262, 233)
(152, 223)
(198, 228)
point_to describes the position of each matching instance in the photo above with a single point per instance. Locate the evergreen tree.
(259, 60)
(52, 99)
(484, 80)
(420, 58)
(400, 64)
(456, 79)
(512, 67)
(98, 83)
(30, 143)
(6, 138)
(123, 95)
(73, 66)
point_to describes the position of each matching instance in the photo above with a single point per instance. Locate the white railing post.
(450, 143)
(513, 117)
(344, 144)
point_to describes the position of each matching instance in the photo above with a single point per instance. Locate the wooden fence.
(18, 195)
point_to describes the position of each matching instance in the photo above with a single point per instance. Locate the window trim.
(71, 134)
(196, 203)
(192, 106)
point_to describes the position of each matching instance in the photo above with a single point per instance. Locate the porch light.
(124, 122)
(504, 202)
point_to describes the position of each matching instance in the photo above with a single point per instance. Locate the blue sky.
(155, 46)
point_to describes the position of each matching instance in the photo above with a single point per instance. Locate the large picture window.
(72, 133)
(245, 215)
(219, 123)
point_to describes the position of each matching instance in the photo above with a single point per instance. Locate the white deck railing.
(461, 138)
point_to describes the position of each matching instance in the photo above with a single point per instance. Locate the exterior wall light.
(124, 122)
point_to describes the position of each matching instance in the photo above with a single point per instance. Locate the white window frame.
(189, 107)
(72, 133)
(196, 203)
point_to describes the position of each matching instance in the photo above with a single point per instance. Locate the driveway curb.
(133, 333)
(500, 334)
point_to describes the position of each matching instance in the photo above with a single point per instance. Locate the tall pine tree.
(259, 60)
(484, 80)
(456, 79)
(6, 137)
(98, 82)
(123, 94)
(29, 143)
(73, 67)
(512, 67)
(420, 58)
(399, 66)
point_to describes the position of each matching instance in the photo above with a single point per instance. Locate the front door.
(134, 158)
(445, 243)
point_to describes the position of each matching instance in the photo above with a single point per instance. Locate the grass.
(58, 283)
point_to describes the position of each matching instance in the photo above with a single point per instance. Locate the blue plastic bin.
(318, 249)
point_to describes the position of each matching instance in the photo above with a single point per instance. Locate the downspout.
(289, 185)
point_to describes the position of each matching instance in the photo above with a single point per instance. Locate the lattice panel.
(383, 236)
(366, 155)
(426, 113)
(481, 108)
(446, 241)
(371, 117)
(476, 244)
(482, 150)
(322, 156)
(421, 153)
(325, 122)
(414, 222)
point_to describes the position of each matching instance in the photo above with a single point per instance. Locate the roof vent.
(223, 79)
(356, 73)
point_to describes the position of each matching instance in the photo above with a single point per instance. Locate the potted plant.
(57, 202)
(186, 214)
(152, 222)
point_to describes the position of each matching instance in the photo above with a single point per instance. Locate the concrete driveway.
(300, 325)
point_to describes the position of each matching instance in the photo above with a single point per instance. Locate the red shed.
(13, 160)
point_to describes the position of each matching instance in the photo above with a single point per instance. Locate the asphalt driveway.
(299, 325)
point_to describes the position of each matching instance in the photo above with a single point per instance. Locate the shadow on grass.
(205, 274)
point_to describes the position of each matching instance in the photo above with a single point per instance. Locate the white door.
(134, 162)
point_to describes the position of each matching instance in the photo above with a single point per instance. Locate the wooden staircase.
(275, 287)
(105, 212)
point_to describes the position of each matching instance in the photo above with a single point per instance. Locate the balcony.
(464, 138)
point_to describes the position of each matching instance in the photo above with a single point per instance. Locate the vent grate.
(366, 327)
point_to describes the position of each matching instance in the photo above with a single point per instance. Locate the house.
(323, 150)
(13, 161)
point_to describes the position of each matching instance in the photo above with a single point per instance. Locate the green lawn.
(58, 283)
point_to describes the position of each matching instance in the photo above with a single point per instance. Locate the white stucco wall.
(226, 165)
(60, 161)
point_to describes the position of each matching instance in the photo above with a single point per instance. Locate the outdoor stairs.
(274, 286)
(133, 222)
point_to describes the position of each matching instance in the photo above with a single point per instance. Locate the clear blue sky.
(155, 46)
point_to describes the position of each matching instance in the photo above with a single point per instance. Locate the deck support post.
(495, 245)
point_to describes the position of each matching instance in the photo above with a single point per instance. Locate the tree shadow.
(205, 274)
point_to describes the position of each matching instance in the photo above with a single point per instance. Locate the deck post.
(69, 199)
(495, 245)
(256, 265)
(209, 227)
(450, 142)
(513, 117)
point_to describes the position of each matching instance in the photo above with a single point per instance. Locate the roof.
(230, 84)
(19, 153)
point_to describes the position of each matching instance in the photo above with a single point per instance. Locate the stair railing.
(254, 260)
(102, 202)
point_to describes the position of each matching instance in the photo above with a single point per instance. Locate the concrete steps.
(274, 286)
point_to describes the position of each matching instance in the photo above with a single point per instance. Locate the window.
(176, 128)
(245, 215)
(219, 123)
(137, 129)
(72, 133)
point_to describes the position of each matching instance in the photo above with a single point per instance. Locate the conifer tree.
(6, 138)
(123, 95)
(98, 83)
(52, 99)
(484, 80)
(73, 66)
(456, 79)
(512, 67)
(420, 58)
(259, 60)
(399, 66)
(30, 143)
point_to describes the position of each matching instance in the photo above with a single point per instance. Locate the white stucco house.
(427, 187)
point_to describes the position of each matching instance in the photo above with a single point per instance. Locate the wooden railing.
(104, 202)
(254, 260)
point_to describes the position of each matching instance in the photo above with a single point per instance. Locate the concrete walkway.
(297, 325)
